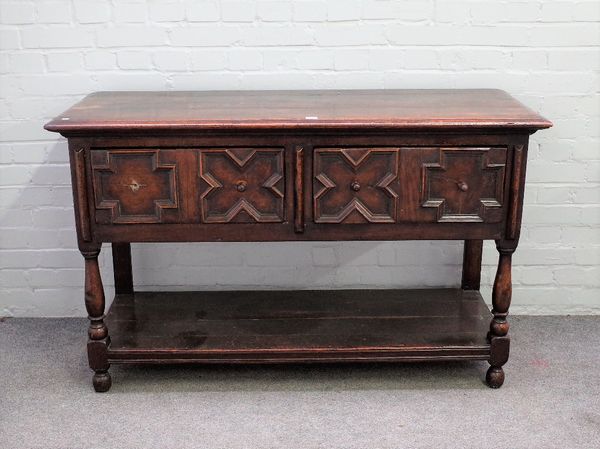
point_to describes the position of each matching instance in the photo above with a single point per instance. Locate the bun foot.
(101, 381)
(494, 377)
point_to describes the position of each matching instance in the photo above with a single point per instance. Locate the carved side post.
(98, 340)
(299, 190)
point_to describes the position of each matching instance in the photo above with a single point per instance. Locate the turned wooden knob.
(463, 186)
(241, 186)
(355, 186)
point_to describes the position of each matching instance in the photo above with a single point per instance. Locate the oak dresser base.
(298, 166)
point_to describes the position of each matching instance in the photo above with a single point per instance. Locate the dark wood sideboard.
(290, 166)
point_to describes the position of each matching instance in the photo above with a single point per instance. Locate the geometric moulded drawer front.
(134, 187)
(242, 185)
(465, 184)
(355, 185)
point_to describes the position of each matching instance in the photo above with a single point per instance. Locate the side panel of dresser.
(189, 199)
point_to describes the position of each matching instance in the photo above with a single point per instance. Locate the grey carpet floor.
(551, 398)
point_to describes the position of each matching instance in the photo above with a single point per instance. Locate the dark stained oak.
(299, 190)
(176, 110)
(465, 184)
(501, 297)
(98, 339)
(134, 187)
(241, 185)
(326, 325)
(471, 274)
(298, 166)
(121, 255)
(355, 185)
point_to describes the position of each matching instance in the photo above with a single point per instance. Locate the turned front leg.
(98, 340)
(498, 335)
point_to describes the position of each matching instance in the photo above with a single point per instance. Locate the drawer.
(355, 185)
(135, 186)
(409, 184)
(189, 185)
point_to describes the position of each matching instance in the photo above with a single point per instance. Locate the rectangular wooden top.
(314, 109)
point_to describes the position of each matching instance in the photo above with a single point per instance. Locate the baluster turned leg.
(98, 333)
(498, 335)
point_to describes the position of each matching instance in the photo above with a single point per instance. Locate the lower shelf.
(298, 326)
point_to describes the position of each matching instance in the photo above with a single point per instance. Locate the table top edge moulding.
(295, 165)
(296, 109)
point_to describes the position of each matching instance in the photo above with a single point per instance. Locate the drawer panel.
(135, 186)
(464, 184)
(355, 185)
(242, 185)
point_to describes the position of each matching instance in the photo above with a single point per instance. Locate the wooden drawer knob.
(463, 186)
(355, 186)
(241, 186)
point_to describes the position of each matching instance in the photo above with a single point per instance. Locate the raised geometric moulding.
(465, 185)
(134, 186)
(242, 185)
(355, 185)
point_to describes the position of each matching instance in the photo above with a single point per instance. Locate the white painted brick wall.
(546, 53)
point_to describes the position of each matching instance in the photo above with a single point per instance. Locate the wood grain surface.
(415, 109)
(271, 326)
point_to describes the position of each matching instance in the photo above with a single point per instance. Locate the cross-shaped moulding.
(467, 184)
(133, 185)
